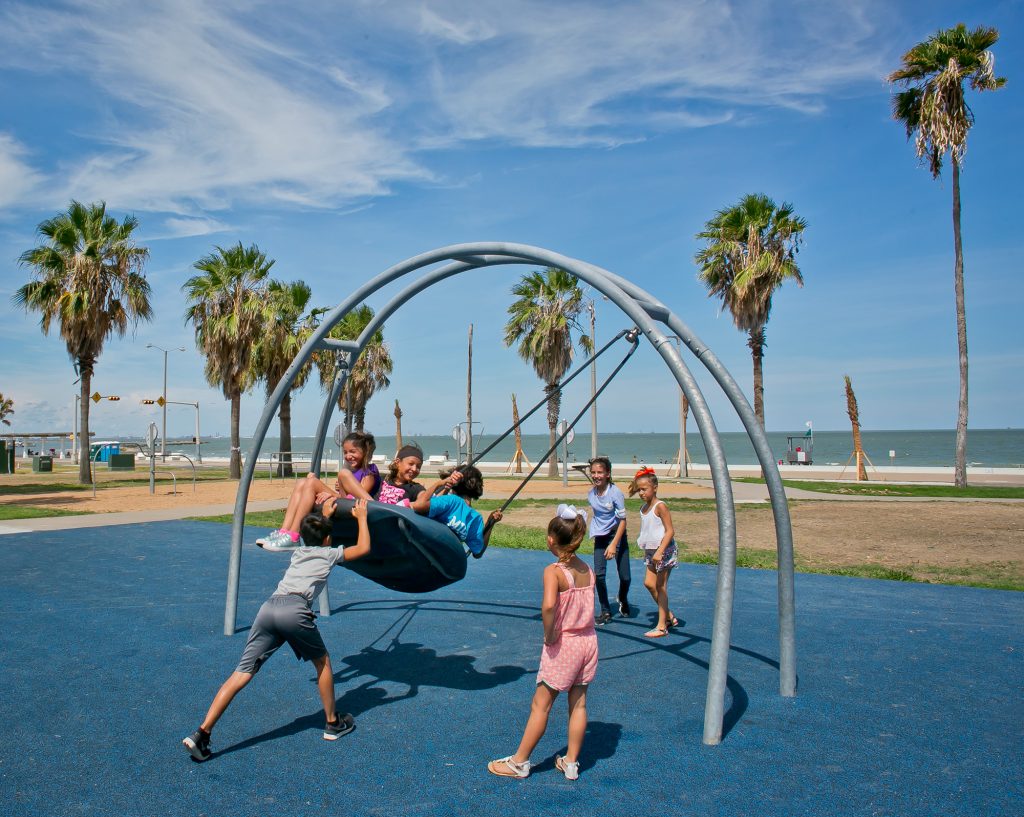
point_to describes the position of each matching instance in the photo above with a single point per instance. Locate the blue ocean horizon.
(991, 448)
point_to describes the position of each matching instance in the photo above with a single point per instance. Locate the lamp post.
(593, 384)
(163, 430)
(164, 403)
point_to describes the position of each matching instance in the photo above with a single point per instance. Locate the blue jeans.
(621, 565)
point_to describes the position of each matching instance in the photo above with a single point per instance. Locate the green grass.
(894, 489)
(31, 512)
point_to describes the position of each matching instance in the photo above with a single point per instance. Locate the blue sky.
(345, 137)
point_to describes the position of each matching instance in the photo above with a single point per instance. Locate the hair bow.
(643, 472)
(570, 512)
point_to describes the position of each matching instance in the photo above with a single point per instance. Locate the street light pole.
(163, 430)
(593, 385)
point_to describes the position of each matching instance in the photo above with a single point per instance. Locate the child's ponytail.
(567, 530)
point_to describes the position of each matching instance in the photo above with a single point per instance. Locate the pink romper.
(572, 660)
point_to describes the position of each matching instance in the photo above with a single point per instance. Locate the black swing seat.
(409, 553)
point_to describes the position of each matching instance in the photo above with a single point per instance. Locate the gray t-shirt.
(307, 574)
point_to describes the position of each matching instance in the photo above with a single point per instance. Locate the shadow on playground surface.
(909, 700)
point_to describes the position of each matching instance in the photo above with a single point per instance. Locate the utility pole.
(469, 399)
(593, 385)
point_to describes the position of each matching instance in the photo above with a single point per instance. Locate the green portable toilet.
(42, 463)
(3, 457)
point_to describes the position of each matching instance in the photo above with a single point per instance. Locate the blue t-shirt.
(466, 523)
(609, 510)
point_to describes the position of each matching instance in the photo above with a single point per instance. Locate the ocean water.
(994, 448)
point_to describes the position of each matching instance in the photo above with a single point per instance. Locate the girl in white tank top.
(657, 541)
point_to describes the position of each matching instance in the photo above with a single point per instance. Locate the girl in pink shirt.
(568, 661)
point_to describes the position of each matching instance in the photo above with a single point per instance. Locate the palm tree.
(370, 374)
(286, 329)
(6, 409)
(542, 321)
(750, 251)
(935, 113)
(226, 309)
(88, 277)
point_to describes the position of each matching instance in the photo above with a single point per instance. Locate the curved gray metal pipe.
(486, 254)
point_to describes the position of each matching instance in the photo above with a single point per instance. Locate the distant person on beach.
(447, 501)
(360, 479)
(287, 617)
(568, 661)
(657, 540)
(608, 530)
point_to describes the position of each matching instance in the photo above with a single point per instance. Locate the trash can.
(3, 457)
(121, 462)
(42, 463)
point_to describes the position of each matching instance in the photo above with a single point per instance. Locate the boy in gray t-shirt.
(287, 616)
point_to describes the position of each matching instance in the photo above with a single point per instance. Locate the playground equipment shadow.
(909, 700)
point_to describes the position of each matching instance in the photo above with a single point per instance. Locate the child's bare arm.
(493, 519)
(422, 503)
(362, 546)
(549, 604)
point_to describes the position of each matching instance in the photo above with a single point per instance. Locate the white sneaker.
(277, 542)
(571, 770)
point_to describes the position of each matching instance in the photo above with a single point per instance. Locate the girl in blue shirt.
(608, 530)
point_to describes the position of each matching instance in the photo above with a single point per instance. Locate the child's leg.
(325, 683)
(577, 722)
(662, 598)
(537, 723)
(351, 485)
(651, 583)
(225, 695)
(302, 500)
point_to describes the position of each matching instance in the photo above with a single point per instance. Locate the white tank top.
(652, 529)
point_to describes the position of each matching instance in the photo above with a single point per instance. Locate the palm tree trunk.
(756, 344)
(359, 418)
(554, 406)
(84, 460)
(235, 468)
(284, 467)
(960, 465)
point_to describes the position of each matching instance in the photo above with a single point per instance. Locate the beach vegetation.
(899, 489)
(89, 282)
(287, 327)
(544, 324)
(370, 374)
(933, 109)
(226, 301)
(6, 409)
(749, 252)
(34, 512)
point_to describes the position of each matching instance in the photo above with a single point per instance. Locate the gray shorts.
(282, 619)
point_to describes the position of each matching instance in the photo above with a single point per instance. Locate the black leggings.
(621, 565)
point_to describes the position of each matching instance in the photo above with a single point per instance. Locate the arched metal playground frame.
(648, 314)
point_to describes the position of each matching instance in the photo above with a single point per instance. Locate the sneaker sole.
(277, 548)
(336, 735)
(194, 750)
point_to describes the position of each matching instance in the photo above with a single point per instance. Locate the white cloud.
(17, 178)
(201, 106)
(183, 227)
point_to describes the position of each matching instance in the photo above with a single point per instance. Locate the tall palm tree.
(226, 309)
(370, 374)
(542, 321)
(286, 329)
(750, 251)
(934, 111)
(6, 409)
(88, 277)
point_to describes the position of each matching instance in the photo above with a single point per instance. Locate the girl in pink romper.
(568, 662)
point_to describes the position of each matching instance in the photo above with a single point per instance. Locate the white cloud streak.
(199, 107)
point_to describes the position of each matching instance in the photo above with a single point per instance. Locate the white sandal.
(513, 768)
(570, 768)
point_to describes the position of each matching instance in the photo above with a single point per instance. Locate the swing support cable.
(560, 387)
(632, 336)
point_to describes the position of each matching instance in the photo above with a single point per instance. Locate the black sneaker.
(198, 745)
(604, 618)
(342, 724)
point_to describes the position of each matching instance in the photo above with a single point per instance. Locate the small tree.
(6, 409)
(854, 415)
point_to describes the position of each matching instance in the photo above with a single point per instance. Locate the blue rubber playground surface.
(909, 703)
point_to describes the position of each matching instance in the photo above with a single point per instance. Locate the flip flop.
(657, 632)
(673, 621)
